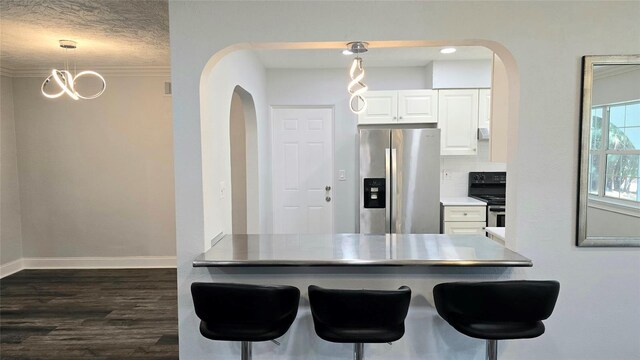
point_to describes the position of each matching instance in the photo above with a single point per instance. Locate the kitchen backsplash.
(454, 176)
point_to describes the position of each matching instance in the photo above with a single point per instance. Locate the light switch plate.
(342, 175)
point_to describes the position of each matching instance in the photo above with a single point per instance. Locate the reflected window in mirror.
(609, 196)
(614, 164)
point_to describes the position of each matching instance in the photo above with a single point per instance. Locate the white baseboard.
(123, 262)
(11, 268)
(99, 262)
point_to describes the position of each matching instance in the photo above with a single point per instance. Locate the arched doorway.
(217, 212)
(244, 163)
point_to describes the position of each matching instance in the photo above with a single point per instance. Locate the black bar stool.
(246, 313)
(498, 310)
(359, 316)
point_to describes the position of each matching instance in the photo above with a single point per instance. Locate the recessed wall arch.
(243, 136)
(512, 101)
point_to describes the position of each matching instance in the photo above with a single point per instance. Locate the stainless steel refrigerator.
(399, 181)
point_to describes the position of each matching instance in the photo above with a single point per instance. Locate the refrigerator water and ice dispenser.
(374, 193)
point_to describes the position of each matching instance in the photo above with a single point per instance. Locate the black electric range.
(490, 187)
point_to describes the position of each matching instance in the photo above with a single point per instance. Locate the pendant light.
(356, 87)
(66, 81)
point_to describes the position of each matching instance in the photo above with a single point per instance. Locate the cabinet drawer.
(465, 213)
(464, 228)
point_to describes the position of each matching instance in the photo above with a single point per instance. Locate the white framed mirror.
(609, 167)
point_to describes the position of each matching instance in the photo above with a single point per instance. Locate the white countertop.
(497, 232)
(461, 201)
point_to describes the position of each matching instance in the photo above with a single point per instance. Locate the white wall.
(10, 225)
(456, 181)
(601, 222)
(616, 88)
(96, 176)
(242, 69)
(597, 315)
(328, 87)
(460, 74)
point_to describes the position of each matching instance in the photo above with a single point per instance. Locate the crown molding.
(104, 71)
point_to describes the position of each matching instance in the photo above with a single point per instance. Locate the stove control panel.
(487, 178)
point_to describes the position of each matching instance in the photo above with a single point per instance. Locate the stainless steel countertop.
(241, 250)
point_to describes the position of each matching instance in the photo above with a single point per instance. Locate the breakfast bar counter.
(353, 261)
(338, 250)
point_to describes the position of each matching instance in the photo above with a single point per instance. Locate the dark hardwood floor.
(89, 314)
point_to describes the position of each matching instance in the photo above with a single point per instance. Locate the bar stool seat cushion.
(359, 316)
(247, 332)
(497, 310)
(499, 330)
(356, 335)
(241, 312)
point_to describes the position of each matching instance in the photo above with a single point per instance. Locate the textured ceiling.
(132, 33)
(110, 33)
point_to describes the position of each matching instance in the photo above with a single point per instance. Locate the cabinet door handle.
(400, 117)
(327, 199)
(327, 188)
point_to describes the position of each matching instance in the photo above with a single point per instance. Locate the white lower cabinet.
(464, 228)
(463, 220)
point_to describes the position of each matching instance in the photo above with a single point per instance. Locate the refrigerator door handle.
(387, 224)
(394, 191)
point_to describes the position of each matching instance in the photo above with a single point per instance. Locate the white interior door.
(302, 170)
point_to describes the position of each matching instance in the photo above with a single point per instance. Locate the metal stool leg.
(246, 350)
(358, 351)
(492, 349)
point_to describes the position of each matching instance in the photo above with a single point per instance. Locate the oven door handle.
(496, 209)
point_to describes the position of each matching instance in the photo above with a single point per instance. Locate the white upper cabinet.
(404, 107)
(381, 108)
(458, 121)
(484, 114)
(458, 112)
(417, 106)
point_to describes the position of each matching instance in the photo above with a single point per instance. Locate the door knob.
(328, 199)
(328, 188)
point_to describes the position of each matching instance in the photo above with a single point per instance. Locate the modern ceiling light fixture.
(449, 50)
(66, 81)
(356, 87)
